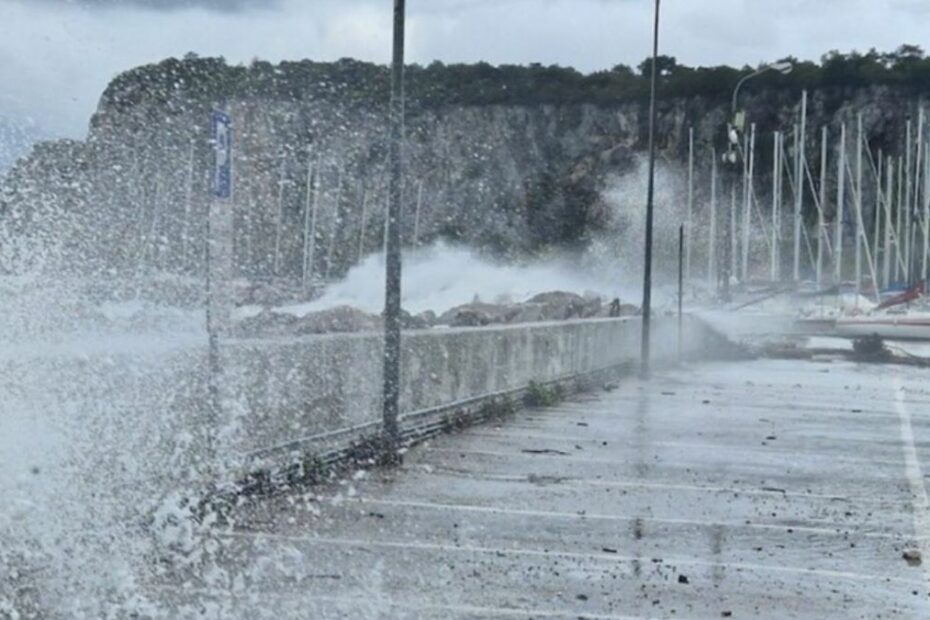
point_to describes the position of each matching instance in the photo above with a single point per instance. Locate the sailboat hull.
(890, 327)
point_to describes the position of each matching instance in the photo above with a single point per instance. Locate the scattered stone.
(774, 490)
(544, 480)
(912, 557)
(683, 579)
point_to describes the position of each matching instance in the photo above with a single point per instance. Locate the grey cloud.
(57, 56)
(170, 5)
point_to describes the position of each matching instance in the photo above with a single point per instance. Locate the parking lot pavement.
(747, 490)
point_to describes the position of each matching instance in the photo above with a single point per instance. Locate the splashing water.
(443, 276)
(101, 413)
(92, 432)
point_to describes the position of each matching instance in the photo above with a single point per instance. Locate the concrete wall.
(101, 433)
(286, 396)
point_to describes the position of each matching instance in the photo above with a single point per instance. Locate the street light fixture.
(738, 120)
(783, 67)
(734, 129)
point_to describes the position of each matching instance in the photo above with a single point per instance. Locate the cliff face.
(509, 177)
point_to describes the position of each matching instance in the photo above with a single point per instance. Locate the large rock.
(560, 305)
(266, 322)
(476, 314)
(592, 306)
(529, 313)
(338, 319)
(423, 320)
(556, 306)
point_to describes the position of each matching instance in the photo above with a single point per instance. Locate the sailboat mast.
(799, 186)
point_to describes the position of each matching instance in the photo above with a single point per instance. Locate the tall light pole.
(391, 366)
(650, 194)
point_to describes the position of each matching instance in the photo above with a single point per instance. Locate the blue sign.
(221, 136)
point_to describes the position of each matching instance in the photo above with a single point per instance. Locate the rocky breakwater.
(549, 306)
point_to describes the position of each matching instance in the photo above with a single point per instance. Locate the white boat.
(904, 326)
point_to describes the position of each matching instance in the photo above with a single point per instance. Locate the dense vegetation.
(483, 84)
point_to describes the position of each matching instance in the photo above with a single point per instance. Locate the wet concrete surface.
(761, 489)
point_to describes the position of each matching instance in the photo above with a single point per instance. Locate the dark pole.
(647, 263)
(728, 247)
(681, 283)
(391, 372)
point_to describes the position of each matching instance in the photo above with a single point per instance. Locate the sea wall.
(286, 397)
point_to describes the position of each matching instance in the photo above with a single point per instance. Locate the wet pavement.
(764, 489)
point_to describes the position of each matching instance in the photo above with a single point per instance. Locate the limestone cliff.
(310, 138)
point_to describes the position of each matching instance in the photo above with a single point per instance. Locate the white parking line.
(915, 479)
(663, 486)
(602, 557)
(588, 516)
(564, 455)
(473, 610)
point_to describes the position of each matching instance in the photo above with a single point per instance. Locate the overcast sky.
(56, 56)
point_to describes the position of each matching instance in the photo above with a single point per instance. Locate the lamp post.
(650, 194)
(783, 67)
(735, 127)
(734, 131)
(391, 366)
